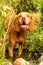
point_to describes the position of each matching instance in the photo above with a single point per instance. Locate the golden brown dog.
(17, 32)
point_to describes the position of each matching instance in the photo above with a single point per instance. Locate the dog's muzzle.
(24, 21)
(24, 25)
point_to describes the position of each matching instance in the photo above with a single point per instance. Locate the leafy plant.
(41, 9)
(41, 5)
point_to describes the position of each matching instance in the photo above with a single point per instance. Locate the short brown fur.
(17, 35)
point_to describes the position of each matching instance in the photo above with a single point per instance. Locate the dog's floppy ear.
(16, 23)
(31, 24)
(16, 18)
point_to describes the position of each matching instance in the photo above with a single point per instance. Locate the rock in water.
(21, 61)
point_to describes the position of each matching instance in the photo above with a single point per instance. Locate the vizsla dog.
(17, 31)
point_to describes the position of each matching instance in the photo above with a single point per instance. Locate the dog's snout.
(23, 23)
(23, 19)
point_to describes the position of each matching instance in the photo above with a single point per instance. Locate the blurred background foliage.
(34, 40)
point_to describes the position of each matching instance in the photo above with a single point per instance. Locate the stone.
(41, 63)
(21, 61)
(9, 63)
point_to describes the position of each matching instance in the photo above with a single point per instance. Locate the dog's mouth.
(24, 25)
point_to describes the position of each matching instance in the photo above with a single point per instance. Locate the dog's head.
(25, 21)
(22, 21)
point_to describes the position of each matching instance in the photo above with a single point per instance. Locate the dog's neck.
(21, 33)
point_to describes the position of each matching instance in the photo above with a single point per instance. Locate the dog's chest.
(20, 36)
(17, 36)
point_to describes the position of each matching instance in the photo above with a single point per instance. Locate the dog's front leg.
(10, 52)
(10, 49)
(20, 49)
